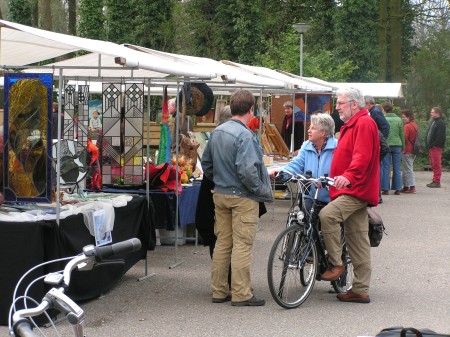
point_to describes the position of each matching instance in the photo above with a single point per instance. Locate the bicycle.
(21, 322)
(298, 256)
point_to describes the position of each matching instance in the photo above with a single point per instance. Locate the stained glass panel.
(27, 124)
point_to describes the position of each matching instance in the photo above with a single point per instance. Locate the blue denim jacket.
(233, 160)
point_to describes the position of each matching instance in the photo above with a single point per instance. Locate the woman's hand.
(273, 173)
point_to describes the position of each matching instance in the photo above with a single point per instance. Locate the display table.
(164, 205)
(26, 244)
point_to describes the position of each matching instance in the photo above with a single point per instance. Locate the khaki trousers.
(235, 228)
(352, 212)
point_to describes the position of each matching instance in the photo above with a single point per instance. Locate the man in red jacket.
(356, 171)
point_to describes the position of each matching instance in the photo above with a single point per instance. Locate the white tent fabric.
(24, 45)
(380, 90)
(94, 66)
(226, 73)
(296, 81)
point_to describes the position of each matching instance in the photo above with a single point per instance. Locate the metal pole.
(301, 54)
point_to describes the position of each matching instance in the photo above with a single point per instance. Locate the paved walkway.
(410, 284)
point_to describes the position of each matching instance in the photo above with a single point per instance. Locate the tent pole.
(147, 190)
(177, 137)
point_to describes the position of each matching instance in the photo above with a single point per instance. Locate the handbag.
(417, 146)
(376, 227)
(384, 147)
(408, 332)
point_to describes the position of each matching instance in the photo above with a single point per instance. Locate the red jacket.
(357, 157)
(410, 130)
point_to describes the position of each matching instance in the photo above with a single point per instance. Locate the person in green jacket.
(396, 142)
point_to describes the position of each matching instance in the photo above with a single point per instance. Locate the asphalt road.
(410, 284)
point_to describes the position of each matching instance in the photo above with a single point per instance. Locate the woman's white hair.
(323, 122)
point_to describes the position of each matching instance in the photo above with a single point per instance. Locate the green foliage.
(20, 11)
(91, 19)
(428, 82)
(321, 64)
(355, 36)
(152, 24)
(118, 16)
(247, 39)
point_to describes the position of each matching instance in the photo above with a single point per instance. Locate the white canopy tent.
(23, 45)
(380, 90)
(303, 83)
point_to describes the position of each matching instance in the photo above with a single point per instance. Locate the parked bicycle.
(22, 322)
(298, 256)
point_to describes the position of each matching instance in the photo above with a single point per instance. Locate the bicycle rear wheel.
(292, 268)
(345, 282)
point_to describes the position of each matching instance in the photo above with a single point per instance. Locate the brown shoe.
(385, 192)
(332, 273)
(350, 296)
(411, 190)
(397, 192)
(405, 189)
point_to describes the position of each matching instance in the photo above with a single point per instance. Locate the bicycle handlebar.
(105, 252)
(24, 328)
(287, 176)
(55, 298)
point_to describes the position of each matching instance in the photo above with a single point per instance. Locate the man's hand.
(341, 182)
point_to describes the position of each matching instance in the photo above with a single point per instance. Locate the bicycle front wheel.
(292, 268)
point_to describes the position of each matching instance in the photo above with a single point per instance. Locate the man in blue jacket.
(233, 161)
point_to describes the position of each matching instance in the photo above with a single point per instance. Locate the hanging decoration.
(165, 141)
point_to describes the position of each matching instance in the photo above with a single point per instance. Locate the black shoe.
(434, 185)
(221, 300)
(252, 302)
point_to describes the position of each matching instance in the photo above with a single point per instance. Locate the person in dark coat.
(286, 127)
(377, 115)
(435, 144)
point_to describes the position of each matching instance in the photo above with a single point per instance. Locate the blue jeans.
(395, 156)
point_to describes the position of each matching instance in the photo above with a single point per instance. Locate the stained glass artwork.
(111, 146)
(70, 102)
(133, 132)
(83, 114)
(27, 124)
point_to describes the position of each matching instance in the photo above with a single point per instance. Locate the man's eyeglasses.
(342, 103)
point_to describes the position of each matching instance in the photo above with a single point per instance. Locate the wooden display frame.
(273, 142)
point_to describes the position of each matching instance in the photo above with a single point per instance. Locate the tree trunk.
(396, 42)
(72, 26)
(382, 39)
(45, 15)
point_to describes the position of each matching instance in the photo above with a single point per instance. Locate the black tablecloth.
(26, 244)
(163, 205)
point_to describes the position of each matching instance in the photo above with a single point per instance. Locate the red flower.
(253, 123)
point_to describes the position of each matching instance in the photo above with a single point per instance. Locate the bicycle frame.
(298, 256)
(310, 220)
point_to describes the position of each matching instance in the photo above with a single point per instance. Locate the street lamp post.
(301, 28)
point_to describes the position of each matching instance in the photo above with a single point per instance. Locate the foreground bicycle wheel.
(291, 270)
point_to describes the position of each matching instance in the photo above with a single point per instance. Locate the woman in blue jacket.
(316, 153)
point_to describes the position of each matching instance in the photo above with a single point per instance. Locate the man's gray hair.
(225, 114)
(323, 122)
(369, 99)
(352, 94)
